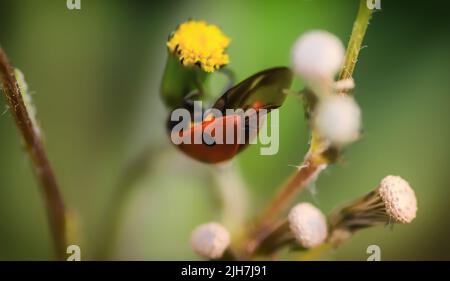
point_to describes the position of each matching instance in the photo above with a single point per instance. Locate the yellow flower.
(201, 44)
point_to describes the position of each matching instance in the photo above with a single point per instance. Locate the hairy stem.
(354, 45)
(35, 148)
(313, 163)
(295, 184)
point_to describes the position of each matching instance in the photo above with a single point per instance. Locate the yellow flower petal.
(201, 44)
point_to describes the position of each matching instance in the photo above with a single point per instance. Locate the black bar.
(184, 270)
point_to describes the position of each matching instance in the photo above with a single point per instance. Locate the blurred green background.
(96, 74)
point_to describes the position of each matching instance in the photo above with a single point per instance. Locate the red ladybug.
(210, 150)
(261, 90)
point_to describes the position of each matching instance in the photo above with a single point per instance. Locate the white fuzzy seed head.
(317, 55)
(399, 199)
(308, 225)
(338, 119)
(210, 240)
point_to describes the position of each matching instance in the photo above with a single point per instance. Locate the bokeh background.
(96, 73)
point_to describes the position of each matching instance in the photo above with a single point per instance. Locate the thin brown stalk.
(272, 239)
(35, 148)
(294, 185)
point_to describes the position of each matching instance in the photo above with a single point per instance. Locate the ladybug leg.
(188, 103)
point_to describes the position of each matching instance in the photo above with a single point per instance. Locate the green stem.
(299, 179)
(354, 44)
(134, 171)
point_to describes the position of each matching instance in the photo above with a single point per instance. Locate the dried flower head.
(210, 240)
(199, 43)
(308, 225)
(399, 199)
(317, 55)
(393, 201)
(337, 118)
